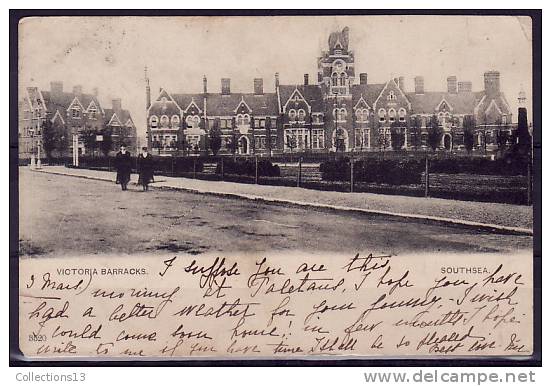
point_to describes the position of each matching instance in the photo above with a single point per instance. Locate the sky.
(110, 53)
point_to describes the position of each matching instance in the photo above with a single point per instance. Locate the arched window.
(402, 114)
(193, 121)
(382, 115)
(243, 119)
(301, 115)
(292, 114)
(362, 115)
(391, 95)
(340, 114)
(334, 78)
(164, 121)
(391, 115)
(175, 121)
(154, 121)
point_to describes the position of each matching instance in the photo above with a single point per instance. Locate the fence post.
(351, 174)
(256, 169)
(222, 167)
(172, 166)
(426, 176)
(194, 170)
(299, 175)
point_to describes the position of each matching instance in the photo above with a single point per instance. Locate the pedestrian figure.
(145, 168)
(123, 164)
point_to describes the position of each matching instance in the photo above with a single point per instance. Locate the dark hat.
(122, 145)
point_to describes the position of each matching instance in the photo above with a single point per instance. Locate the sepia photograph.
(277, 187)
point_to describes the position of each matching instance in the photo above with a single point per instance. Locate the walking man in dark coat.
(145, 168)
(123, 164)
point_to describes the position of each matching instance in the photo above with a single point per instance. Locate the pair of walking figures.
(123, 165)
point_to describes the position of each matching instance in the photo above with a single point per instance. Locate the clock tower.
(336, 65)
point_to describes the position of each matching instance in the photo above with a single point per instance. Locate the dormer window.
(362, 115)
(92, 112)
(193, 121)
(75, 112)
(292, 114)
(243, 119)
(301, 115)
(391, 96)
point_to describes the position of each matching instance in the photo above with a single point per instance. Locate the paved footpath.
(490, 216)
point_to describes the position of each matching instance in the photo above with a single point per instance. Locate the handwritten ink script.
(276, 306)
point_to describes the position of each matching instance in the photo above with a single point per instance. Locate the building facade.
(338, 112)
(69, 114)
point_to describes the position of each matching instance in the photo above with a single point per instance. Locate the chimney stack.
(320, 77)
(306, 79)
(401, 83)
(277, 79)
(258, 85)
(491, 82)
(117, 104)
(419, 85)
(226, 86)
(204, 84)
(452, 84)
(77, 90)
(465, 86)
(363, 78)
(56, 88)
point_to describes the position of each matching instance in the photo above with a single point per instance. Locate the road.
(60, 215)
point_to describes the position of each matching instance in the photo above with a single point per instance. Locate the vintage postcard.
(276, 187)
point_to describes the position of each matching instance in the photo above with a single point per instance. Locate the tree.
(502, 138)
(252, 131)
(215, 137)
(50, 138)
(434, 132)
(106, 145)
(469, 125)
(89, 139)
(233, 143)
(415, 131)
(396, 135)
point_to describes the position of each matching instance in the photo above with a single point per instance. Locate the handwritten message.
(276, 306)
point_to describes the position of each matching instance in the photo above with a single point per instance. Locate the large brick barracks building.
(70, 113)
(340, 111)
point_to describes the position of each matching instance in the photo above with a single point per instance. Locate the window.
(223, 123)
(292, 114)
(340, 114)
(92, 112)
(193, 121)
(391, 115)
(382, 115)
(402, 114)
(261, 123)
(243, 119)
(175, 121)
(317, 118)
(154, 122)
(260, 142)
(391, 96)
(317, 139)
(164, 121)
(361, 139)
(75, 112)
(295, 139)
(362, 115)
(301, 115)
(504, 120)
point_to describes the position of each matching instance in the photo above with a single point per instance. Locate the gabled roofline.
(78, 101)
(171, 98)
(239, 104)
(504, 100)
(360, 100)
(111, 119)
(57, 114)
(302, 96)
(493, 102)
(92, 101)
(383, 90)
(478, 104)
(442, 101)
(129, 120)
(193, 103)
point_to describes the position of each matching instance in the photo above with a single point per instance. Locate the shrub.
(246, 167)
(393, 172)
